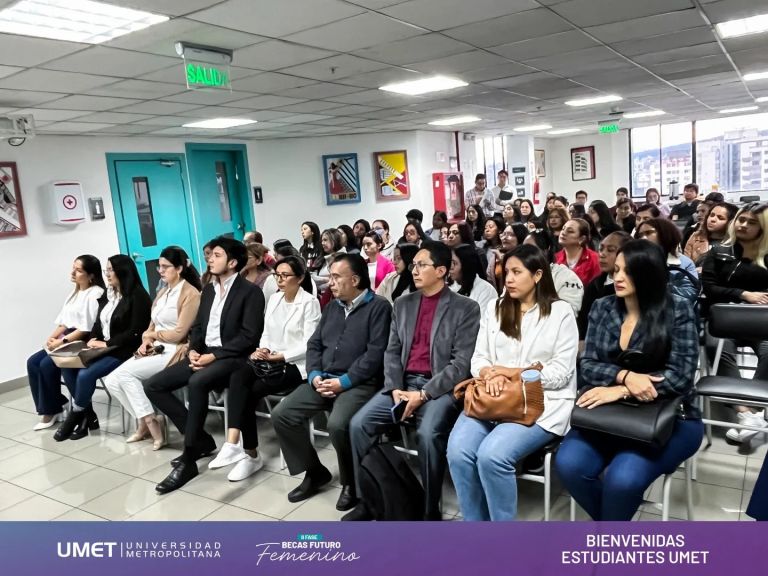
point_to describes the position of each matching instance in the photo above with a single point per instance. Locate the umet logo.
(85, 549)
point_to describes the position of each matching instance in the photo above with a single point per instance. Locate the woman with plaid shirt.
(607, 475)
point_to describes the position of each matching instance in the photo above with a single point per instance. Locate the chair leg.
(665, 498)
(573, 509)
(547, 484)
(689, 470)
(708, 416)
(226, 414)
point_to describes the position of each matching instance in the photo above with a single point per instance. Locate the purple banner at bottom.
(386, 549)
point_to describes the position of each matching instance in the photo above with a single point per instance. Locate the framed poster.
(392, 178)
(342, 179)
(541, 164)
(583, 163)
(11, 210)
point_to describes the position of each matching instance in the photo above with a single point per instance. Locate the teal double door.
(155, 207)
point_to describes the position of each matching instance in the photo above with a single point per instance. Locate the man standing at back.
(502, 192)
(431, 342)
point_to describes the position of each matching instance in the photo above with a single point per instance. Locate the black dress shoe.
(359, 513)
(180, 475)
(208, 447)
(90, 422)
(347, 499)
(310, 485)
(68, 426)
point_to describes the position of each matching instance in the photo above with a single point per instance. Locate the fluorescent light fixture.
(564, 131)
(74, 20)
(646, 114)
(762, 99)
(742, 109)
(424, 86)
(534, 128)
(455, 120)
(219, 123)
(594, 100)
(743, 26)
(755, 76)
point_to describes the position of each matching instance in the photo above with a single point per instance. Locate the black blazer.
(129, 320)
(242, 320)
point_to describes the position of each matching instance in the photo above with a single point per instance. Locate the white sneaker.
(748, 419)
(248, 466)
(229, 454)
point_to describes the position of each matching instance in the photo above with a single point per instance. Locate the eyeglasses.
(108, 271)
(420, 266)
(164, 267)
(282, 275)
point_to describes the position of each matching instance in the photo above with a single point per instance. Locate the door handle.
(136, 256)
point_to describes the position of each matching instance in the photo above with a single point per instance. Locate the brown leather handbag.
(518, 403)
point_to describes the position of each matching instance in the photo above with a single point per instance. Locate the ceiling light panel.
(424, 86)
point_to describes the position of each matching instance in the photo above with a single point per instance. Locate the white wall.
(546, 183)
(35, 268)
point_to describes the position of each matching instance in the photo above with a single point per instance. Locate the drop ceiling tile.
(28, 99)
(416, 49)
(725, 10)
(276, 19)
(157, 107)
(141, 89)
(126, 129)
(754, 60)
(520, 26)
(303, 118)
(44, 115)
(459, 63)
(26, 51)
(545, 46)
(207, 97)
(659, 42)
(310, 106)
(356, 32)
(84, 127)
(364, 97)
(113, 118)
(508, 70)
(690, 64)
(499, 99)
(276, 54)
(352, 109)
(320, 91)
(699, 50)
(9, 70)
(49, 80)
(161, 38)
(218, 112)
(271, 82)
(670, 23)
(381, 77)
(442, 14)
(111, 61)
(169, 7)
(585, 13)
(334, 68)
(164, 121)
(262, 102)
(337, 121)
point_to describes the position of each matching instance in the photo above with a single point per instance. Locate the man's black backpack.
(388, 487)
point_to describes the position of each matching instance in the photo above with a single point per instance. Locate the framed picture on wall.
(392, 177)
(342, 179)
(583, 163)
(11, 210)
(541, 163)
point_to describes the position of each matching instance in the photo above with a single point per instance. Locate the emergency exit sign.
(203, 75)
(608, 128)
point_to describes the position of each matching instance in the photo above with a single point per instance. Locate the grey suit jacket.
(452, 341)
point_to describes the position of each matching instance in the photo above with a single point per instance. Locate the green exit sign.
(202, 75)
(610, 128)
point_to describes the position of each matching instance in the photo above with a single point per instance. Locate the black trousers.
(190, 422)
(291, 421)
(245, 392)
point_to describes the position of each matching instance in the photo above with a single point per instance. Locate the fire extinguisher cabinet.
(448, 191)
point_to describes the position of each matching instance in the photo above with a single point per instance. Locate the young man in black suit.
(227, 329)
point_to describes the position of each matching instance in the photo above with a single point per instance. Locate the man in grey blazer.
(431, 341)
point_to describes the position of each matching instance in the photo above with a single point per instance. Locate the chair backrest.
(740, 321)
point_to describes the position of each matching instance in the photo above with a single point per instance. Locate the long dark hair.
(478, 226)
(407, 254)
(91, 266)
(507, 308)
(603, 215)
(532, 216)
(646, 265)
(471, 268)
(351, 239)
(125, 269)
(418, 228)
(311, 253)
(179, 258)
(544, 241)
(500, 225)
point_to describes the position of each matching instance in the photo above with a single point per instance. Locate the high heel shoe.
(136, 437)
(50, 424)
(93, 420)
(72, 421)
(158, 444)
(89, 422)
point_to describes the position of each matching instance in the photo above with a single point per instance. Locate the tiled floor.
(100, 477)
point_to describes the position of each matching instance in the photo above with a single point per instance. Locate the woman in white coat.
(528, 324)
(291, 317)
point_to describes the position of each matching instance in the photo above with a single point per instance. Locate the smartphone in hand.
(397, 411)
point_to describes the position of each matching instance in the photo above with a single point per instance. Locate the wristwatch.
(64, 339)
(424, 396)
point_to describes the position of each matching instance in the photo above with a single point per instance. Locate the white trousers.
(126, 382)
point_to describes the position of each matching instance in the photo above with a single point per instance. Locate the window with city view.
(661, 156)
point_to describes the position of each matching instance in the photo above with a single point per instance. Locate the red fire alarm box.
(448, 190)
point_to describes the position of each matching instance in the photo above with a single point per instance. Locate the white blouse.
(80, 309)
(113, 299)
(482, 292)
(288, 326)
(388, 285)
(553, 341)
(165, 312)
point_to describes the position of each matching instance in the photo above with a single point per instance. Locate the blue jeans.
(45, 383)
(483, 457)
(83, 380)
(627, 470)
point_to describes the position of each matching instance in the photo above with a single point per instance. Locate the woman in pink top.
(378, 265)
(575, 253)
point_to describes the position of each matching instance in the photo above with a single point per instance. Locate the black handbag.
(90, 355)
(267, 370)
(648, 423)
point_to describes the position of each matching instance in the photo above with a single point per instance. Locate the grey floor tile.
(124, 501)
(87, 486)
(35, 508)
(52, 474)
(181, 506)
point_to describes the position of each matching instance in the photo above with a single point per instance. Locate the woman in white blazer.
(291, 317)
(528, 324)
